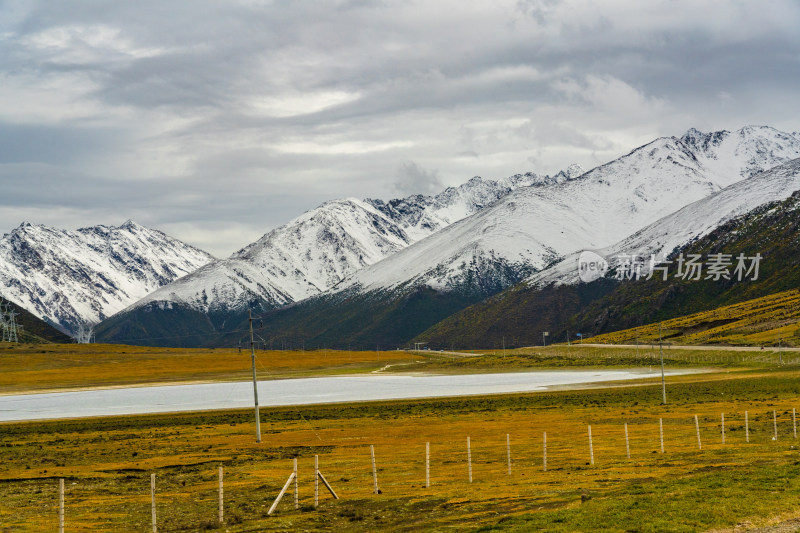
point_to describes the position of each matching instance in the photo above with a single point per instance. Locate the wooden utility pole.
(255, 380)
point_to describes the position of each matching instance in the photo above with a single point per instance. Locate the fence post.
(61, 505)
(508, 452)
(794, 422)
(774, 425)
(427, 465)
(591, 447)
(153, 500)
(697, 428)
(544, 451)
(221, 515)
(627, 444)
(296, 495)
(746, 428)
(469, 459)
(374, 470)
(292, 477)
(722, 417)
(661, 433)
(316, 481)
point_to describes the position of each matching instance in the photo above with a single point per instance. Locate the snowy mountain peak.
(324, 245)
(691, 222)
(73, 277)
(131, 226)
(480, 236)
(731, 156)
(532, 226)
(570, 173)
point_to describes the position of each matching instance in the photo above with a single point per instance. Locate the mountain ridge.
(72, 278)
(527, 230)
(321, 247)
(549, 303)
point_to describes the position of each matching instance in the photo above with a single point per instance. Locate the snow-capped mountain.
(321, 247)
(448, 251)
(732, 156)
(420, 216)
(302, 258)
(691, 222)
(534, 226)
(69, 278)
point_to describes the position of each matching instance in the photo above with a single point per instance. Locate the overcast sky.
(217, 121)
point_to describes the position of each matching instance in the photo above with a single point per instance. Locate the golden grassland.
(107, 462)
(45, 366)
(38, 367)
(763, 321)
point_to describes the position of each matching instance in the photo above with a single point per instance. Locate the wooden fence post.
(794, 422)
(591, 447)
(661, 433)
(722, 418)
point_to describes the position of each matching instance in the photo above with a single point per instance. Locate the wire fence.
(464, 461)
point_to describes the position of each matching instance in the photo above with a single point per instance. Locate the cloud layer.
(216, 121)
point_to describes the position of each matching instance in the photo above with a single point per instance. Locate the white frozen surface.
(231, 395)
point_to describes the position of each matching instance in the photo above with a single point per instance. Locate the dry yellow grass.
(46, 366)
(761, 321)
(107, 462)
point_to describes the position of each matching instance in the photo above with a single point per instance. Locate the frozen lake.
(231, 395)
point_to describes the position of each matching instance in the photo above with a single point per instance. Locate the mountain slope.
(550, 302)
(772, 320)
(33, 330)
(69, 278)
(523, 232)
(401, 296)
(531, 227)
(305, 257)
(318, 249)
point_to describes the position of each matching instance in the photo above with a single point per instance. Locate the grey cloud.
(415, 180)
(169, 127)
(22, 143)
